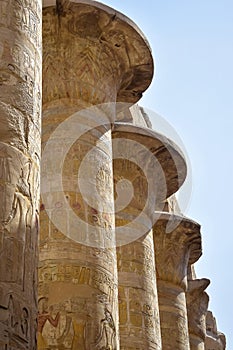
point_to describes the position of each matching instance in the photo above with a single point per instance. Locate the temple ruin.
(88, 261)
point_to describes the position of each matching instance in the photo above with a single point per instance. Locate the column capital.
(148, 168)
(214, 338)
(197, 305)
(177, 242)
(89, 46)
(161, 156)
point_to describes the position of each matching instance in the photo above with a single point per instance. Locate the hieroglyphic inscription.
(20, 107)
(76, 274)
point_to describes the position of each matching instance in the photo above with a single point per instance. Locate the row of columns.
(111, 274)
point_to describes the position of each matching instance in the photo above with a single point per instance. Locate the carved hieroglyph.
(144, 166)
(150, 168)
(138, 301)
(174, 250)
(20, 139)
(91, 55)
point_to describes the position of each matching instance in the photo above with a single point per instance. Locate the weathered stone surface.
(147, 161)
(173, 316)
(88, 30)
(153, 167)
(92, 55)
(175, 247)
(134, 115)
(197, 305)
(20, 139)
(138, 301)
(214, 340)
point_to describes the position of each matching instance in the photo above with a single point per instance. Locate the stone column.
(174, 250)
(197, 305)
(20, 139)
(138, 301)
(214, 340)
(91, 55)
(141, 180)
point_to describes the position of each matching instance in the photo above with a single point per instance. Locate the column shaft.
(173, 316)
(177, 243)
(138, 301)
(20, 139)
(142, 158)
(79, 281)
(92, 55)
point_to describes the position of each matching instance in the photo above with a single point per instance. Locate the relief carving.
(14, 323)
(104, 182)
(74, 330)
(171, 261)
(70, 324)
(80, 69)
(106, 339)
(16, 215)
(19, 232)
(19, 171)
(86, 25)
(176, 249)
(77, 274)
(197, 305)
(43, 317)
(27, 19)
(149, 321)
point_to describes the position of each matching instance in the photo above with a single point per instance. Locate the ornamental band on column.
(20, 139)
(110, 273)
(92, 56)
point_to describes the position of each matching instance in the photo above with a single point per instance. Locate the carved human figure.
(18, 213)
(24, 322)
(107, 332)
(77, 325)
(44, 316)
(78, 341)
(20, 72)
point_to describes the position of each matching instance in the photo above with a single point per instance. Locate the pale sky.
(192, 45)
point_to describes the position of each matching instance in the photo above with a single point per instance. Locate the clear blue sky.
(192, 44)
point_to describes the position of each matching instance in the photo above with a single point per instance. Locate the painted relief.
(106, 339)
(82, 66)
(78, 275)
(74, 326)
(44, 316)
